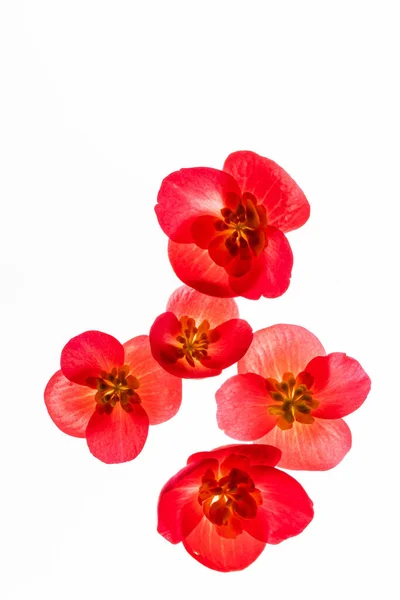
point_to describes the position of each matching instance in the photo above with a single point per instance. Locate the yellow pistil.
(117, 386)
(295, 401)
(194, 340)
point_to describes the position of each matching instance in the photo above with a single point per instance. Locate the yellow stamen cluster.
(194, 340)
(294, 401)
(117, 386)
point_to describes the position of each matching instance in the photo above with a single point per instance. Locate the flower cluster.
(226, 233)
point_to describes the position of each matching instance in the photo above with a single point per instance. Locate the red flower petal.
(340, 385)
(189, 193)
(234, 339)
(286, 205)
(220, 553)
(194, 267)
(163, 334)
(89, 353)
(286, 508)
(119, 436)
(188, 302)
(316, 447)
(280, 349)
(274, 269)
(258, 454)
(179, 510)
(242, 407)
(70, 405)
(160, 392)
(204, 230)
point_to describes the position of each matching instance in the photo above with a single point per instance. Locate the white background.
(99, 101)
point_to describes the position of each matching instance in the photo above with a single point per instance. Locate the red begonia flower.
(199, 335)
(289, 393)
(227, 504)
(226, 228)
(109, 393)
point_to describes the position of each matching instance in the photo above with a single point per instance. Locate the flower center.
(194, 341)
(294, 401)
(117, 386)
(228, 500)
(246, 226)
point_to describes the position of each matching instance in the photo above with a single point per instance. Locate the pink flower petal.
(186, 301)
(286, 205)
(280, 349)
(69, 405)
(188, 194)
(340, 385)
(315, 447)
(87, 354)
(234, 339)
(119, 436)
(243, 402)
(220, 553)
(160, 392)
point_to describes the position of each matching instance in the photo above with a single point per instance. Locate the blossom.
(227, 504)
(199, 335)
(226, 228)
(291, 394)
(109, 393)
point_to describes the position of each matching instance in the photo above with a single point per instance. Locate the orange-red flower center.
(245, 227)
(227, 500)
(293, 399)
(117, 386)
(194, 341)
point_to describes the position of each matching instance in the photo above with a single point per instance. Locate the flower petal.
(280, 349)
(188, 194)
(89, 353)
(194, 267)
(178, 509)
(286, 205)
(258, 454)
(286, 508)
(233, 340)
(119, 436)
(221, 553)
(188, 302)
(316, 447)
(69, 405)
(160, 392)
(243, 402)
(274, 268)
(340, 385)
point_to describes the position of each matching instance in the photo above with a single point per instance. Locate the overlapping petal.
(233, 340)
(316, 447)
(119, 436)
(186, 301)
(242, 403)
(274, 268)
(179, 510)
(280, 349)
(340, 385)
(188, 194)
(160, 392)
(286, 508)
(221, 553)
(257, 454)
(286, 205)
(86, 355)
(69, 405)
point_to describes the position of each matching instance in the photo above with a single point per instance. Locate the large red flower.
(225, 505)
(109, 393)
(199, 335)
(226, 228)
(289, 393)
